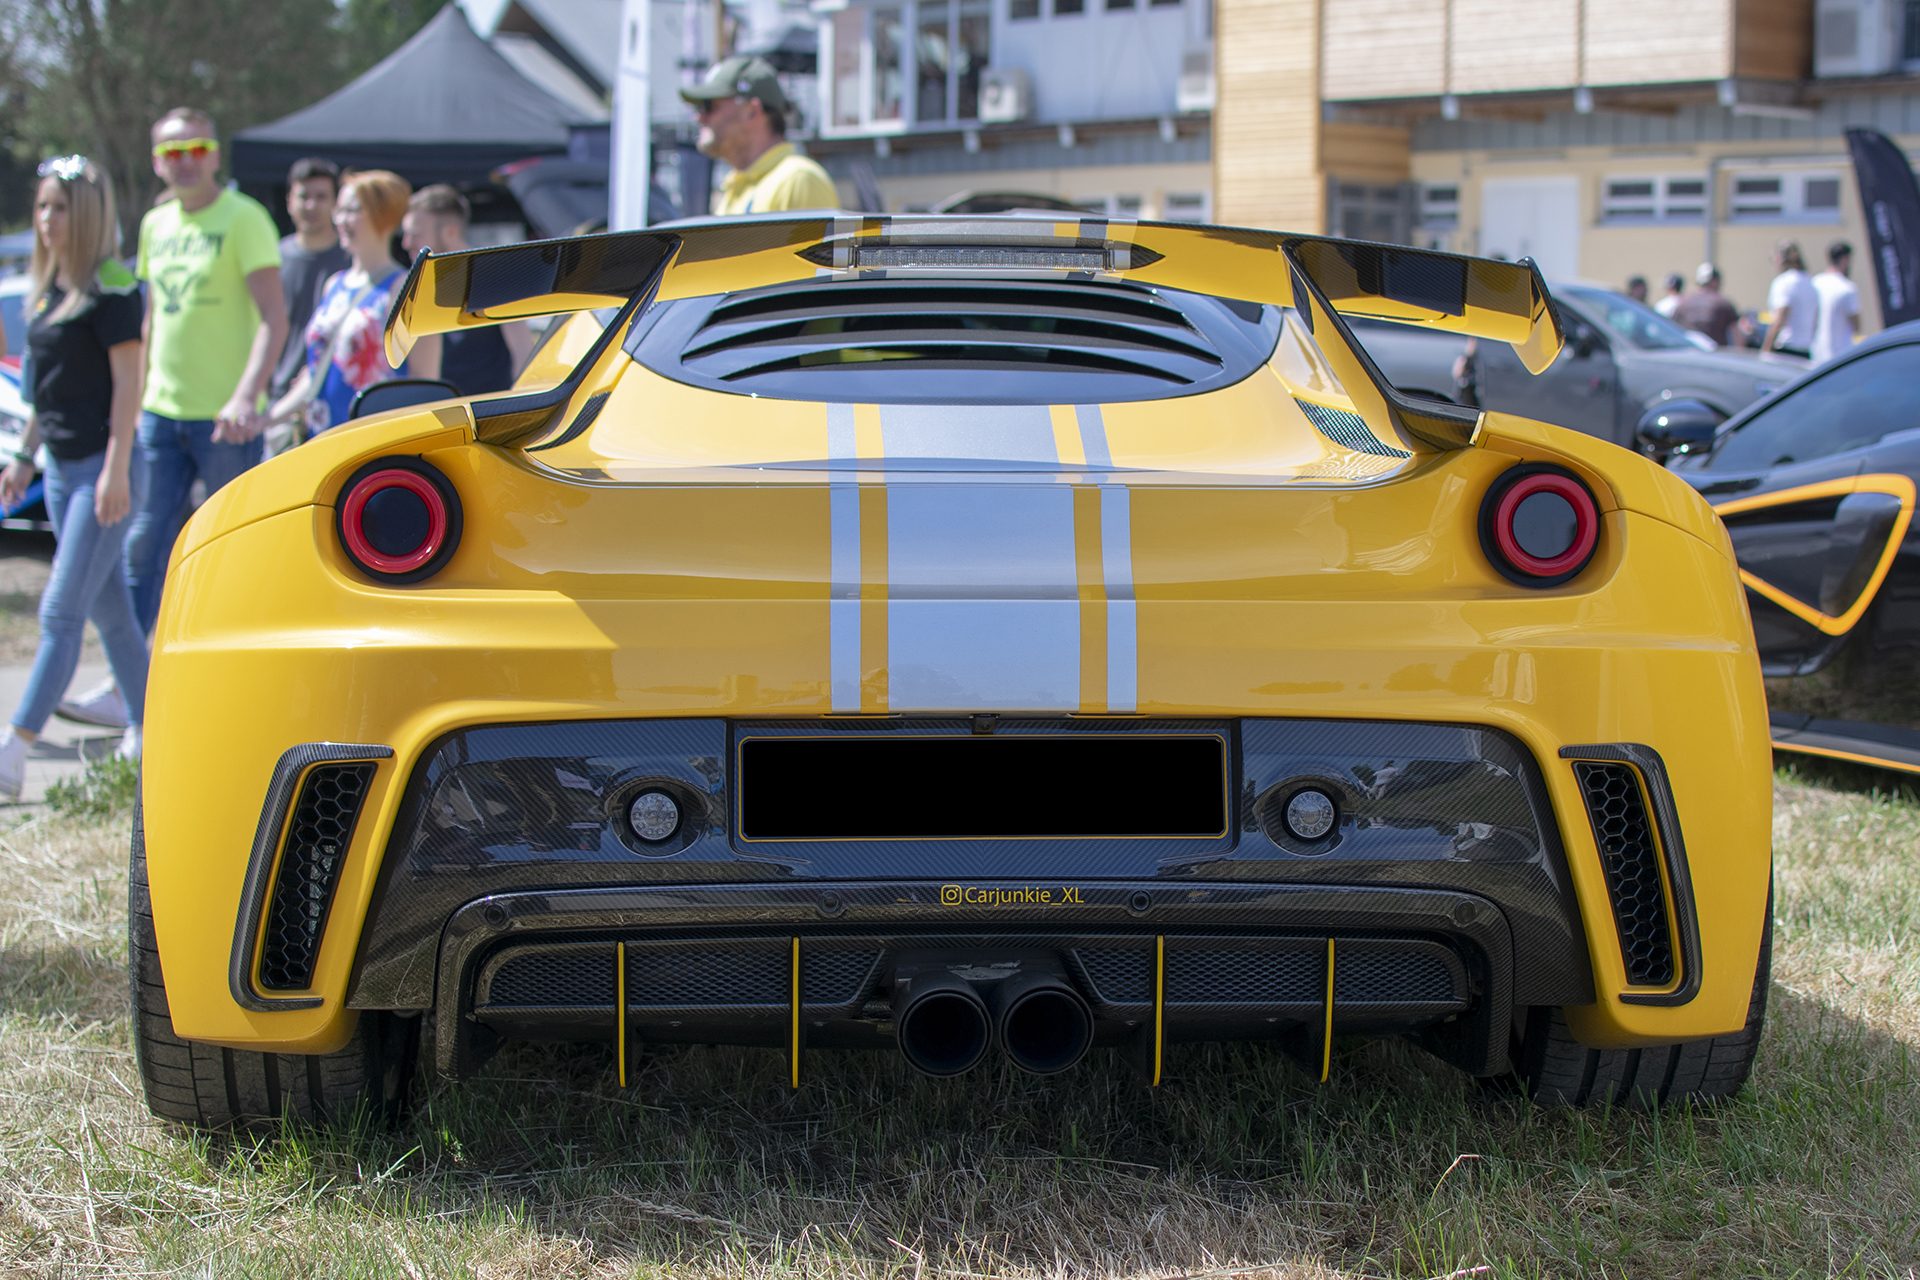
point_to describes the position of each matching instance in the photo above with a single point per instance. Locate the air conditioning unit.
(1196, 91)
(1006, 96)
(1857, 37)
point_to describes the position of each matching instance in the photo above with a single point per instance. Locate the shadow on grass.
(1845, 775)
(1399, 1164)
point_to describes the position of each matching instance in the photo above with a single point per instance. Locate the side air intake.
(318, 837)
(1630, 858)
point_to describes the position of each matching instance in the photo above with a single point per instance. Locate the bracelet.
(24, 458)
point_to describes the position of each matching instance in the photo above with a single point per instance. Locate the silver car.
(1622, 358)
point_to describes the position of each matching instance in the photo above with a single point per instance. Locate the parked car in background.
(1816, 485)
(1621, 359)
(30, 512)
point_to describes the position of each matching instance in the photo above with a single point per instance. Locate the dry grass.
(1238, 1167)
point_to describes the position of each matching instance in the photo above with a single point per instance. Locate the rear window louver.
(988, 341)
(946, 327)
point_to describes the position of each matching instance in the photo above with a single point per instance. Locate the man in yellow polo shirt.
(743, 124)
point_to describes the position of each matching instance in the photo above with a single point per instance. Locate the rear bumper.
(1197, 960)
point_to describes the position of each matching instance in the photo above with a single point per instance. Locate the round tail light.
(399, 520)
(1539, 525)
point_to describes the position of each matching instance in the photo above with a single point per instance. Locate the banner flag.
(1891, 201)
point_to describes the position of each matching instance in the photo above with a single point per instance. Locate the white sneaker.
(130, 743)
(101, 705)
(13, 763)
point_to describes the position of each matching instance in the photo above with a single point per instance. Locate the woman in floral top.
(346, 338)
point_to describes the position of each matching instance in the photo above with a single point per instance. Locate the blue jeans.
(86, 583)
(175, 452)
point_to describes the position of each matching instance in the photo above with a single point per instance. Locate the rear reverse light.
(1539, 525)
(399, 520)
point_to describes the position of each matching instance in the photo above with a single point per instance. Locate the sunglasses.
(65, 168)
(195, 147)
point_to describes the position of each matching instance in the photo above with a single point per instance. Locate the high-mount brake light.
(399, 520)
(899, 257)
(1539, 525)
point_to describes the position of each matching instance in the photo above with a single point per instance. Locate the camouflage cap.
(741, 77)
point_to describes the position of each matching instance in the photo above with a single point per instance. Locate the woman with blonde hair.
(346, 351)
(83, 378)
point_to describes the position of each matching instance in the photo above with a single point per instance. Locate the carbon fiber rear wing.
(1323, 280)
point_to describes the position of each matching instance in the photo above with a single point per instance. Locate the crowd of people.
(238, 337)
(243, 343)
(1815, 317)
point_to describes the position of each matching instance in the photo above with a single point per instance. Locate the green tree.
(93, 75)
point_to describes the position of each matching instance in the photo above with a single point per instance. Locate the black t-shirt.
(476, 361)
(303, 274)
(72, 379)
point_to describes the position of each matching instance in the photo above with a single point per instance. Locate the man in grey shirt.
(308, 258)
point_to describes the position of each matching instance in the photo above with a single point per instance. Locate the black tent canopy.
(443, 107)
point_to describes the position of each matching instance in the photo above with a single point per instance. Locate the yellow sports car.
(956, 637)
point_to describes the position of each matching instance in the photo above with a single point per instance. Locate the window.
(1640, 325)
(930, 55)
(1784, 197)
(1185, 206)
(1068, 8)
(1022, 10)
(1650, 199)
(1850, 407)
(1912, 49)
(868, 83)
(1440, 206)
(1119, 4)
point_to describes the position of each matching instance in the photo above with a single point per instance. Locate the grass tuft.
(105, 789)
(1239, 1168)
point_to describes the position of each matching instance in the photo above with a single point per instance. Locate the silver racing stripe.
(843, 595)
(985, 433)
(983, 603)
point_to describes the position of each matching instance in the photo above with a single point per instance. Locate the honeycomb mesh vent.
(834, 977)
(1391, 977)
(1119, 977)
(1631, 860)
(555, 979)
(1246, 977)
(675, 978)
(316, 847)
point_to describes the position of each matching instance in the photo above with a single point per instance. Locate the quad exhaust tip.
(1041, 1023)
(943, 1026)
(1044, 1026)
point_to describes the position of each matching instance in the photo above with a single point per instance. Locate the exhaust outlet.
(942, 1026)
(1044, 1025)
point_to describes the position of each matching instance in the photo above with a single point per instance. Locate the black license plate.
(883, 787)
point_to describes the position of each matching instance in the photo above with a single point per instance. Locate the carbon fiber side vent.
(318, 837)
(1348, 430)
(1630, 857)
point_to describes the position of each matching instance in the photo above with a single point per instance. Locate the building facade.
(1636, 137)
(1103, 103)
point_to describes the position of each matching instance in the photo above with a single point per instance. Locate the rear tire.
(213, 1088)
(1556, 1070)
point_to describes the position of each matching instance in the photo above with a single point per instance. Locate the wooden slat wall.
(1398, 48)
(1384, 48)
(1658, 41)
(1507, 45)
(1375, 153)
(1773, 39)
(1266, 130)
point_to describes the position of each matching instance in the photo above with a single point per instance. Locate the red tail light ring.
(399, 520)
(1539, 525)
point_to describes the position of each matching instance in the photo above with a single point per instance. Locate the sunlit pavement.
(64, 747)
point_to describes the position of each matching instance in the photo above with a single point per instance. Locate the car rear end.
(938, 646)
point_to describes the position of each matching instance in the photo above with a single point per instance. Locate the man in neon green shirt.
(743, 124)
(216, 321)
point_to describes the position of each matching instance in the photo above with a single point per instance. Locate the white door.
(1536, 218)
